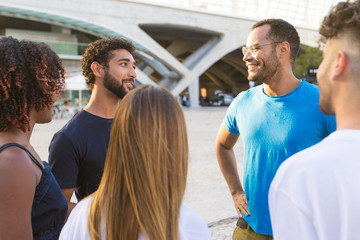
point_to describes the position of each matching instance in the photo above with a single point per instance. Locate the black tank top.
(49, 207)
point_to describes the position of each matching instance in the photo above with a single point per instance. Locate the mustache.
(128, 80)
(252, 63)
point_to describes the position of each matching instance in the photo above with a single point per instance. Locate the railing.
(61, 47)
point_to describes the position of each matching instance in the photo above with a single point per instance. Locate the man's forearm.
(227, 162)
(71, 206)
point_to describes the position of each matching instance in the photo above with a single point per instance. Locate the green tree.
(308, 56)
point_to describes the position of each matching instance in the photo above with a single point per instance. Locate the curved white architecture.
(176, 45)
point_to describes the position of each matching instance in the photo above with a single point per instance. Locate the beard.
(268, 70)
(113, 85)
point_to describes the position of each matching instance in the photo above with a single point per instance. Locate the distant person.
(141, 192)
(275, 120)
(186, 100)
(31, 203)
(314, 194)
(77, 152)
(65, 109)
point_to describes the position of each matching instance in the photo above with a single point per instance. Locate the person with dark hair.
(77, 152)
(314, 193)
(140, 195)
(31, 203)
(275, 119)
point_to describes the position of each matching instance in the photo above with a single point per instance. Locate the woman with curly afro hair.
(31, 203)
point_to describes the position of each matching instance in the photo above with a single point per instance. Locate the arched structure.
(177, 47)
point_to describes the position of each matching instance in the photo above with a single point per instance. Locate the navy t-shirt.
(77, 153)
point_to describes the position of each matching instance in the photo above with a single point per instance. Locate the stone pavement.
(207, 192)
(223, 229)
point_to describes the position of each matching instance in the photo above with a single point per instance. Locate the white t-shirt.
(191, 226)
(315, 193)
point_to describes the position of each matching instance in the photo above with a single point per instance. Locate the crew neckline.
(302, 83)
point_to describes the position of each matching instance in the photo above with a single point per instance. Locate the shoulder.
(77, 126)
(243, 98)
(192, 225)
(310, 90)
(250, 93)
(74, 122)
(310, 95)
(18, 173)
(303, 166)
(84, 120)
(15, 160)
(76, 227)
(305, 180)
(311, 86)
(81, 209)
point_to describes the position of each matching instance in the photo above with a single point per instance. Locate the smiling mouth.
(129, 83)
(251, 67)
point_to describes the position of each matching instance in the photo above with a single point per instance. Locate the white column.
(194, 93)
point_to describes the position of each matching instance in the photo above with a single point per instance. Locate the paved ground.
(206, 192)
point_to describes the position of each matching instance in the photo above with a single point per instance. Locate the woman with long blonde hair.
(140, 194)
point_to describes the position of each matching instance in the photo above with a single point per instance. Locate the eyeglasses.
(252, 48)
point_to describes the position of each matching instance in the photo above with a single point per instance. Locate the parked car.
(223, 99)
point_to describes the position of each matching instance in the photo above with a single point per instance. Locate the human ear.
(341, 63)
(284, 49)
(97, 69)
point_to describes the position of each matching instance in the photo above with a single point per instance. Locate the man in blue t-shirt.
(275, 120)
(77, 152)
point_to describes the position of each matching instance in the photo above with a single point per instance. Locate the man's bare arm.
(68, 192)
(225, 142)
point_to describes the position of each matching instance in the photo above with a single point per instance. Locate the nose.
(132, 73)
(247, 56)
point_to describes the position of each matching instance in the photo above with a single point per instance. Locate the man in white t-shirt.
(314, 194)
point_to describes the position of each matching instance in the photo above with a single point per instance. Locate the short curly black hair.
(101, 51)
(29, 75)
(342, 18)
(280, 30)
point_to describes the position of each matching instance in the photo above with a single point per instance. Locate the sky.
(304, 13)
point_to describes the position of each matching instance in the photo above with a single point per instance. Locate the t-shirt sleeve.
(76, 227)
(64, 160)
(192, 225)
(230, 118)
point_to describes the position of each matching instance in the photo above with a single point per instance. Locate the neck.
(102, 103)
(347, 108)
(284, 83)
(13, 134)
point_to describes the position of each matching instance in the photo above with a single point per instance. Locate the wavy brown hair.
(145, 169)
(101, 51)
(29, 74)
(342, 18)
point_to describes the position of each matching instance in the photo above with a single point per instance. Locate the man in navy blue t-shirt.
(77, 152)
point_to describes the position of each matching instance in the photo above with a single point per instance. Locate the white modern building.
(184, 45)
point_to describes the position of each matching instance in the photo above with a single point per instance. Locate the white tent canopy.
(76, 82)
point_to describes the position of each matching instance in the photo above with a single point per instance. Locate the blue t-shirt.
(272, 129)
